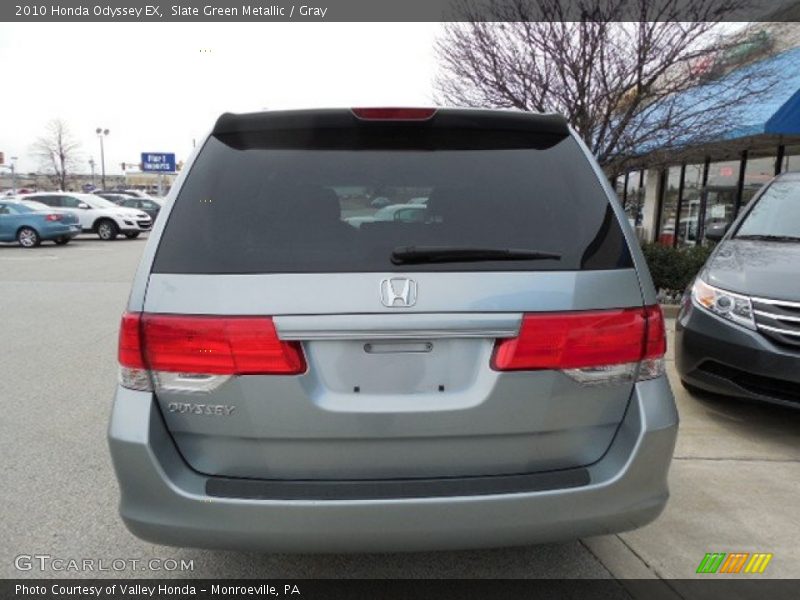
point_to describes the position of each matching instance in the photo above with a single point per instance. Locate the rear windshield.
(329, 201)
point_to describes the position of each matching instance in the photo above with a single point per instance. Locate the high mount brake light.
(394, 114)
(194, 346)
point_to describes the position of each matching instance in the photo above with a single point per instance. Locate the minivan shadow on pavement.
(752, 414)
(737, 428)
(570, 560)
(733, 486)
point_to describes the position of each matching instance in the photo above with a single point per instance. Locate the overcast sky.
(154, 89)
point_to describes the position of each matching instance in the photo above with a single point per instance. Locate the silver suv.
(489, 372)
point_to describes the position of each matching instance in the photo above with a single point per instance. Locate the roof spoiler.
(446, 118)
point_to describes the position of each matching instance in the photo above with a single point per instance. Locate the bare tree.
(58, 151)
(616, 71)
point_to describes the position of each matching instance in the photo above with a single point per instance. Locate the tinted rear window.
(341, 201)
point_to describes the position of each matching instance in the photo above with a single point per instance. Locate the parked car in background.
(129, 192)
(96, 214)
(492, 375)
(137, 193)
(37, 205)
(134, 199)
(115, 197)
(29, 225)
(115, 192)
(380, 202)
(738, 330)
(406, 213)
(149, 205)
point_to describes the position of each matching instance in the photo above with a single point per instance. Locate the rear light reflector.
(197, 347)
(54, 217)
(133, 373)
(598, 346)
(656, 341)
(652, 364)
(394, 114)
(130, 341)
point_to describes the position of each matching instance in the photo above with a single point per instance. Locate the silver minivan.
(483, 369)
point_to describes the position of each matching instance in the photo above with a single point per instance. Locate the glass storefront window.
(669, 207)
(721, 193)
(690, 205)
(619, 187)
(757, 172)
(791, 160)
(635, 198)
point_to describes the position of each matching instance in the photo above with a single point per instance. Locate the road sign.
(160, 162)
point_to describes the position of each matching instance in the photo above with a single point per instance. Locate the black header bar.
(396, 10)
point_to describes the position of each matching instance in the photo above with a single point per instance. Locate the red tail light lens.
(54, 217)
(394, 114)
(208, 345)
(571, 340)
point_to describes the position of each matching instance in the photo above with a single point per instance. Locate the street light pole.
(13, 174)
(102, 133)
(91, 165)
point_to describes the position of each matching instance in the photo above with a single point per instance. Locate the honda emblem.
(398, 292)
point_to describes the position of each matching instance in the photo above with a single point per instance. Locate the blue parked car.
(30, 225)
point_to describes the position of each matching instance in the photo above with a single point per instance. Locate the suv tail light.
(394, 114)
(599, 346)
(197, 353)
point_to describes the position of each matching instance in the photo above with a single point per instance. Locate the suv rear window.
(341, 201)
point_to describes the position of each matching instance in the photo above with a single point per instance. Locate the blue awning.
(779, 111)
(776, 112)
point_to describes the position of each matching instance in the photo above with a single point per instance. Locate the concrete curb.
(670, 310)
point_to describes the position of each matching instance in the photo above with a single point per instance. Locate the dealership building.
(672, 197)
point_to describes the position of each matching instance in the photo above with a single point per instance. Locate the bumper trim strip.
(256, 489)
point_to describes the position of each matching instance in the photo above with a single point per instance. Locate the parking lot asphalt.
(735, 479)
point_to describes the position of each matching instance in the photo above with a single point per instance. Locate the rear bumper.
(58, 231)
(725, 358)
(164, 501)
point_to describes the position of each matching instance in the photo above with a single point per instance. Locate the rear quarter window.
(342, 201)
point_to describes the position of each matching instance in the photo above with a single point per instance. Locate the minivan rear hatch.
(392, 255)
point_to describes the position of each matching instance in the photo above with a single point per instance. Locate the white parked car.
(405, 213)
(97, 214)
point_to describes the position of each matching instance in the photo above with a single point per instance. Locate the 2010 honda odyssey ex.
(484, 367)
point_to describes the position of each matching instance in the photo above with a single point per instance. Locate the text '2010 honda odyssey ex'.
(483, 368)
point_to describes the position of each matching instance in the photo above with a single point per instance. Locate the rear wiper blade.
(404, 255)
(769, 238)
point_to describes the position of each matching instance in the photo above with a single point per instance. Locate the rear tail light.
(54, 217)
(592, 347)
(196, 353)
(394, 114)
(133, 373)
(652, 364)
